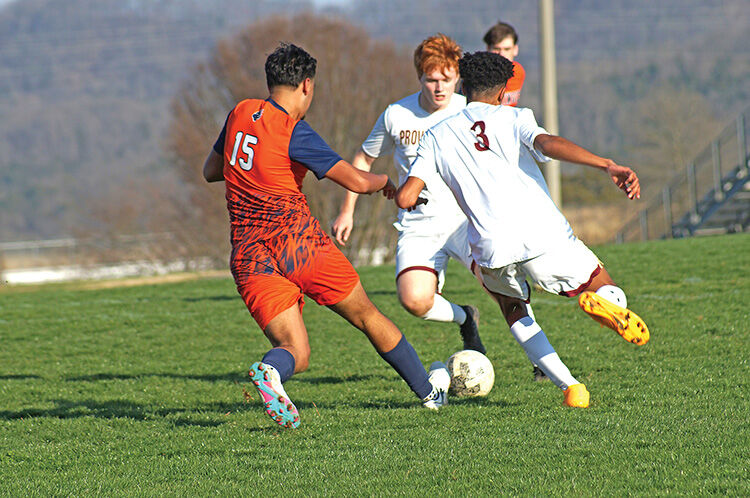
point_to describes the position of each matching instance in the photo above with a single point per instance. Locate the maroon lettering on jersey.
(483, 143)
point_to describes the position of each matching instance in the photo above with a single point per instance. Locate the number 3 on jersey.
(246, 142)
(482, 143)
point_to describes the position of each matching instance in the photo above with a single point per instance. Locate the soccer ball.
(471, 374)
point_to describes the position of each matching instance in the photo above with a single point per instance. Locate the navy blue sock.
(405, 361)
(282, 360)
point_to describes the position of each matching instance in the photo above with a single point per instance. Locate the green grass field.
(139, 391)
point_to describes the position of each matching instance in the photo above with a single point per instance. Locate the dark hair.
(289, 65)
(484, 71)
(500, 32)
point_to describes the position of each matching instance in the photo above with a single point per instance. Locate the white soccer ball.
(471, 374)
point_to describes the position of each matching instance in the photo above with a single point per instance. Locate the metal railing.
(692, 195)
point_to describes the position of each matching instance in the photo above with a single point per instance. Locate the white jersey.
(486, 156)
(400, 127)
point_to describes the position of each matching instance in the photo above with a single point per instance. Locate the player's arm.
(213, 167)
(565, 150)
(407, 194)
(344, 222)
(361, 182)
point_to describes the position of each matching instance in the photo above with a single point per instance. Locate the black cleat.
(539, 374)
(470, 330)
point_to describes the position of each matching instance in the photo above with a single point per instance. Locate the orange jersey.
(258, 136)
(514, 85)
(266, 156)
(279, 251)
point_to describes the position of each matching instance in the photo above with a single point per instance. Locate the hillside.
(85, 85)
(84, 95)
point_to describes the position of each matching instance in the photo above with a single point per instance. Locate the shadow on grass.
(340, 380)
(119, 409)
(385, 404)
(19, 377)
(232, 377)
(480, 401)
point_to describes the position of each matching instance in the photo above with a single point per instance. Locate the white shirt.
(400, 127)
(485, 154)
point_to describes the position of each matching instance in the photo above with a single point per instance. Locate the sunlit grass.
(139, 390)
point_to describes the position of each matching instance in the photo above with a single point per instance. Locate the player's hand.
(389, 190)
(420, 200)
(342, 227)
(625, 179)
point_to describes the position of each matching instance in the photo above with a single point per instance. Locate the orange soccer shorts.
(274, 274)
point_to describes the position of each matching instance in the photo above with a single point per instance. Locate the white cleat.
(440, 380)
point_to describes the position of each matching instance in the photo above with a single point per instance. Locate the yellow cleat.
(577, 396)
(621, 320)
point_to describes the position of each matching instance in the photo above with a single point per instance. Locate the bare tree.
(356, 78)
(664, 131)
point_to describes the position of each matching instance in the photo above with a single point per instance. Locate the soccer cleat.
(577, 396)
(440, 380)
(470, 330)
(277, 404)
(621, 320)
(539, 374)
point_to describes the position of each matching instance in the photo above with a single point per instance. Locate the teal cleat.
(277, 404)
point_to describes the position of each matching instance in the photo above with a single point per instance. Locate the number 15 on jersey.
(246, 140)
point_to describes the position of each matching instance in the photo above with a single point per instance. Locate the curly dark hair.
(289, 65)
(484, 71)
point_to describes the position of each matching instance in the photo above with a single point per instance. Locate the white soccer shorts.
(565, 270)
(420, 250)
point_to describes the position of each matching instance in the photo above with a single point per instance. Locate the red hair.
(437, 52)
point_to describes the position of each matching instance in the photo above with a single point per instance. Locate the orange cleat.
(621, 320)
(577, 396)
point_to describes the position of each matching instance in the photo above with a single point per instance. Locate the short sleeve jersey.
(485, 154)
(266, 156)
(399, 130)
(514, 85)
(267, 151)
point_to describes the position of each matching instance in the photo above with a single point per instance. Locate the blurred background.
(109, 107)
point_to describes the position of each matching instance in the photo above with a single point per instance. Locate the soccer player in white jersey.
(435, 230)
(485, 154)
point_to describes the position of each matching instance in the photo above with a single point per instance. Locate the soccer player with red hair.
(435, 230)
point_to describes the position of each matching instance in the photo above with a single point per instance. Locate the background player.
(279, 251)
(502, 39)
(485, 155)
(434, 231)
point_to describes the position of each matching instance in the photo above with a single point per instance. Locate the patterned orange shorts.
(272, 275)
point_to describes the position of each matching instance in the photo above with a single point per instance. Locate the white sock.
(530, 312)
(613, 294)
(534, 342)
(445, 311)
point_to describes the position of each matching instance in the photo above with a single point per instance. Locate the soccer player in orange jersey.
(279, 251)
(502, 39)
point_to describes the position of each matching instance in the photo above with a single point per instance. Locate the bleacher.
(710, 196)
